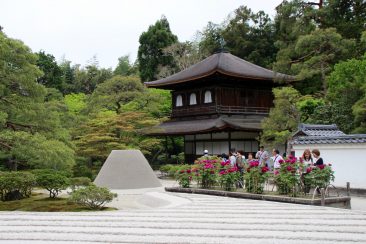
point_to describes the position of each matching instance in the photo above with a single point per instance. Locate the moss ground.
(40, 202)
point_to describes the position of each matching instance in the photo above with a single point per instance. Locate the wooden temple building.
(218, 104)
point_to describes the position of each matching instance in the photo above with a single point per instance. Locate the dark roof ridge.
(225, 63)
(304, 126)
(349, 136)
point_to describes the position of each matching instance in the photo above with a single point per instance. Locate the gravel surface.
(189, 218)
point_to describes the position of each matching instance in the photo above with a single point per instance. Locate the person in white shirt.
(276, 157)
(232, 157)
(263, 157)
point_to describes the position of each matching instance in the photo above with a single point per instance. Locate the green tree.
(87, 79)
(346, 96)
(150, 52)
(292, 20)
(30, 114)
(110, 131)
(283, 118)
(250, 36)
(307, 105)
(53, 181)
(211, 39)
(318, 52)
(92, 196)
(347, 16)
(75, 102)
(52, 73)
(124, 67)
(115, 92)
(68, 76)
(184, 54)
(36, 151)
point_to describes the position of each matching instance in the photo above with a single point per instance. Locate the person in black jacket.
(317, 159)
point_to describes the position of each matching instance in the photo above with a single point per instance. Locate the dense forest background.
(68, 117)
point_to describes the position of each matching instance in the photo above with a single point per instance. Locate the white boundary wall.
(348, 161)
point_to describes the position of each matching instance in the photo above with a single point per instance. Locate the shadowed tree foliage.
(150, 53)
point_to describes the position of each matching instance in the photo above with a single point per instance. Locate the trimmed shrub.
(165, 168)
(92, 196)
(53, 181)
(16, 185)
(76, 182)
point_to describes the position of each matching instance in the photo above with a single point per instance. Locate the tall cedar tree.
(150, 54)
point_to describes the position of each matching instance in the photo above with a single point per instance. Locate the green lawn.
(40, 202)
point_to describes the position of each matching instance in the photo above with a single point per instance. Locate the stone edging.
(342, 200)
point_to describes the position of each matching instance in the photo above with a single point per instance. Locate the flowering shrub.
(255, 177)
(184, 177)
(287, 178)
(228, 176)
(205, 171)
(320, 175)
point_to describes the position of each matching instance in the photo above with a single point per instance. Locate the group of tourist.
(237, 158)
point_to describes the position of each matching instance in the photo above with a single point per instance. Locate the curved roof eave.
(223, 63)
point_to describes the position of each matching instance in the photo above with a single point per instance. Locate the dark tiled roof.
(224, 63)
(343, 139)
(318, 130)
(324, 134)
(252, 123)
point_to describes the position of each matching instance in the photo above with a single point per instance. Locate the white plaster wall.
(348, 161)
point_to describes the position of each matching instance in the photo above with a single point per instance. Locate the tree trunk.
(12, 164)
(155, 156)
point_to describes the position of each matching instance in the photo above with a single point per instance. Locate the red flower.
(253, 164)
(224, 163)
(308, 170)
(281, 161)
(188, 171)
(289, 168)
(209, 166)
(223, 172)
(248, 170)
(322, 166)
(182, 171)
(330, 164)
(276, 172)
(301, 160)
(233, 169)
(265, 169)
(190, 177)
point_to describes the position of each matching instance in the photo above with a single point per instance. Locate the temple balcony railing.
(218, 109)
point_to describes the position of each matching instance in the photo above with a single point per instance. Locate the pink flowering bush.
(287, 177)
(255, 177)
(320, 175)
(228, 176)
(184, 175)
(206, 171)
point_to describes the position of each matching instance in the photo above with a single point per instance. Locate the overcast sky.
(80, 29)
